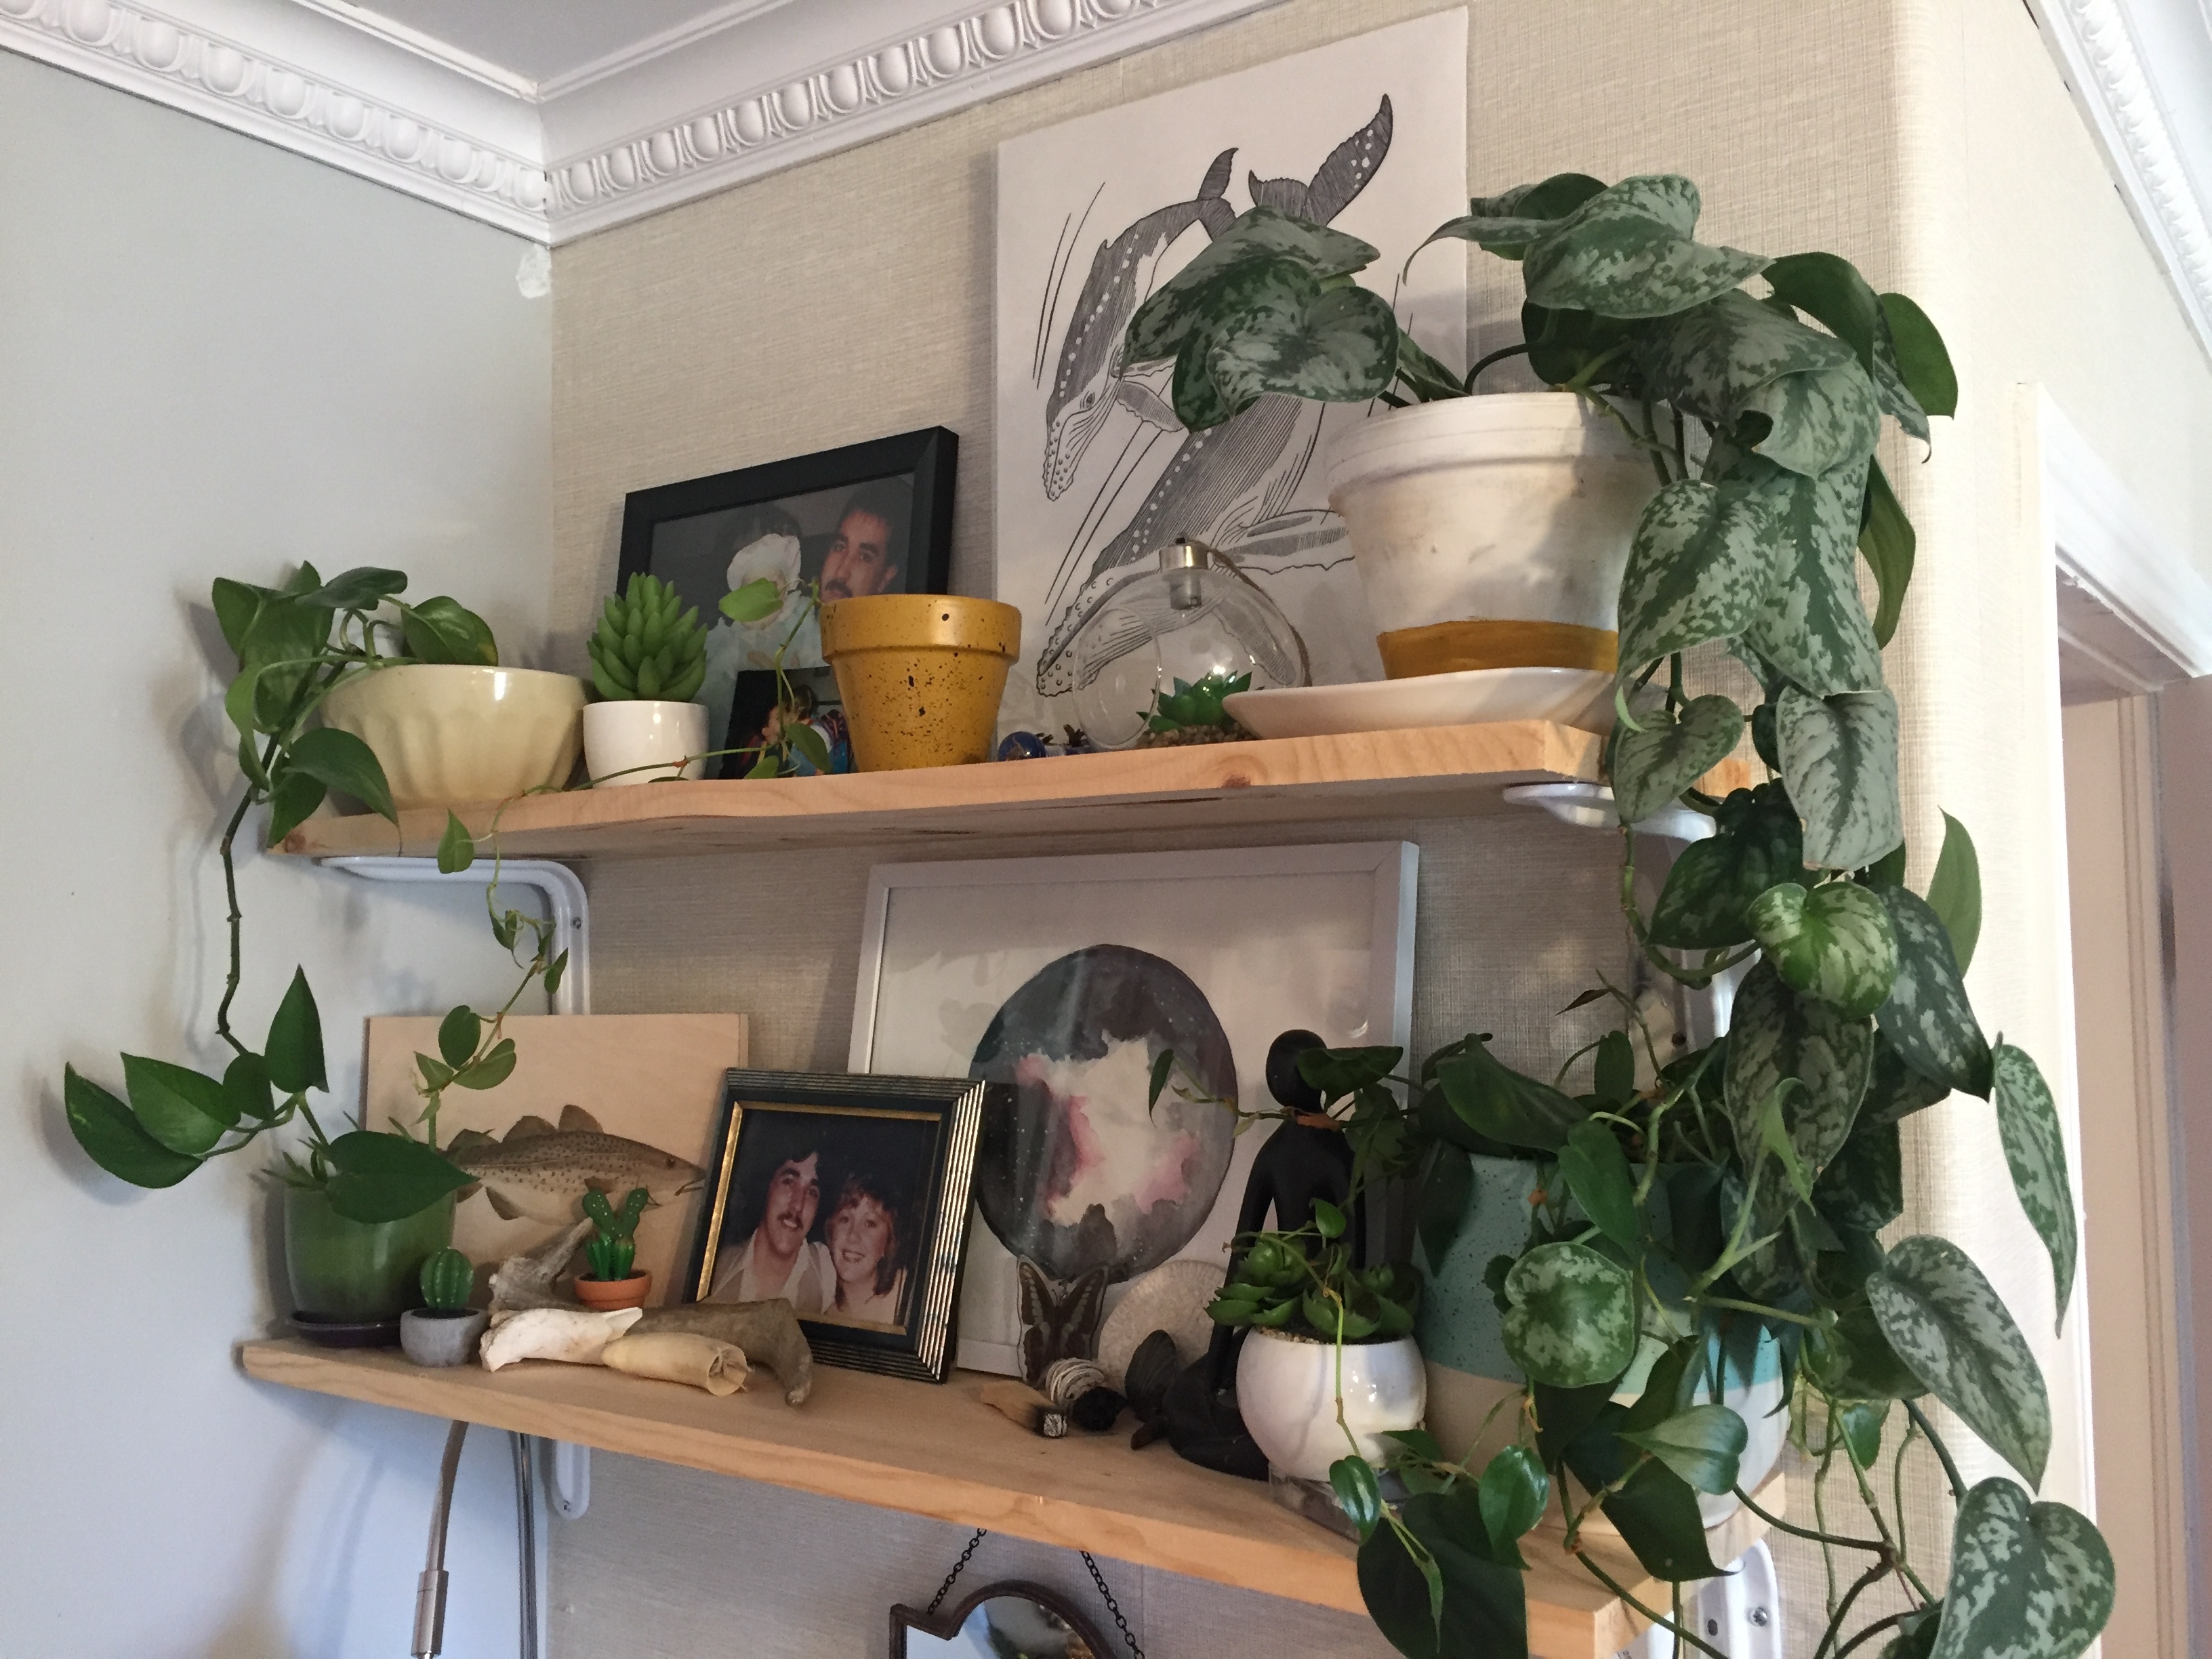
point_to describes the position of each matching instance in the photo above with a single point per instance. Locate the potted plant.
(1493, 532)
(613, 1283)
(445, 1330)
(648, 660)
(364, 1207)
(1328, 1361)
(921, 675)
(1735, 1195)
(421, 686)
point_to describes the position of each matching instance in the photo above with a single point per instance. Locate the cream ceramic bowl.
(447, 734)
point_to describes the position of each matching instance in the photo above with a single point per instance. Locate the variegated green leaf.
(1946, 1321)
(1832, 943)
(1650, 767)
(1340, 346)
(1839, 765)
(1506, 224)
(1853, 1359)
(1812, 628)
(1733, 356)
(1627, 252)
(1197, 295)
(1829, 288)
(2035, 1148)
(1774, 1034)
(1571, 1320)
(1863, 1187)
(1705, 558)
(1896, 1091)
(1927, 1017)
(2028, 1580)
(1705, 903)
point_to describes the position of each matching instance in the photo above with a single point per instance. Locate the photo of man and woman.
(826, 1208)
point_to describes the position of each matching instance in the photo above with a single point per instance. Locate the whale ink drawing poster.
(1094, 473)
(1064, 980)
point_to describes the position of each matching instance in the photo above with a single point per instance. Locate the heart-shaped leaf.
(1896, 1090)
(1357, 1494)
(1572, 1318)
(1813, 628)
(1463, 1603)
(1494, 1100)
(1656, 1511)
(1701, 1444)
(245, 1088)
(2028, 1580)
(1796, 394)
(1627, 252)
(1650, 767)
(1889, 545)
(1926, 1016)
(1340, 346)
(1597, 1173)
(1775, 1036)
(1507, 223)
(185, 1111)
(1839, 765)
(1703, 560)
(1946, 1321)
(382, 1178)
(442, 630)
(1853, 1359)
(493, 1069)
(295, 1049)
(363, 589)
(344, 762)
(457, 849)
(1511, 1495)
(2035, 1149)
(1201, 295)
(292, 797)
(1831, 943)
(1954, 892)
(458, 1034)
(1922, 363)
(1829, 288)
(114, 1139)
(1862, 1188)
(1756, 842)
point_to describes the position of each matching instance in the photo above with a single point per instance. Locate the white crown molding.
(2112, 81)
(639, 131)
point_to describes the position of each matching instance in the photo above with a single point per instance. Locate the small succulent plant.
(1189, 706)
(447, 1279)
(612, 1251)
(647, 645)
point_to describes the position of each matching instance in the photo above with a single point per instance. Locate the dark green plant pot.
(358, 1271)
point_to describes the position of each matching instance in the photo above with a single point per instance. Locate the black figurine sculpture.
(1306, 1158)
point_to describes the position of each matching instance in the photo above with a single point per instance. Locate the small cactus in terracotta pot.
(612, 1252)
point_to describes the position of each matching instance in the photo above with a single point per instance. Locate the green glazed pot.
(358, 1271)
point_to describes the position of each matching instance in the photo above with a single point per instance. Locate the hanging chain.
(945, 1588)
(1112, 1606)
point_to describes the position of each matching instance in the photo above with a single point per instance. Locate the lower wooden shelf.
(940, 1452)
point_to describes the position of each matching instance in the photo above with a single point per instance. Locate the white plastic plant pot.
(643, 741)
(1491, 532)
(1286, 1390)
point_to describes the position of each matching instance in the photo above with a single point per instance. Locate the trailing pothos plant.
(294, 645)
(1740, 1193)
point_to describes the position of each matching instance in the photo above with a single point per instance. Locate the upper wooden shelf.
(1439, 771)
(940, 1452)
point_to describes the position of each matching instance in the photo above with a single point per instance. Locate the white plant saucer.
(1574, 696)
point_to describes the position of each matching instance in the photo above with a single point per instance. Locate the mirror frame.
(944, 1627)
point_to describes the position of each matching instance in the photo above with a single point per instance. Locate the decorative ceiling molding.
(2112, 81)
(753, 87)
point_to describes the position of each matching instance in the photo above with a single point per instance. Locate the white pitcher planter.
(1286, 1391)
(620, 737)
(1491, 531)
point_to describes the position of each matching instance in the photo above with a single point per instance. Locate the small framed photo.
(847, 1197)
(869, 518)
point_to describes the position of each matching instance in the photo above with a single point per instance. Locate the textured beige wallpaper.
(1929, 140)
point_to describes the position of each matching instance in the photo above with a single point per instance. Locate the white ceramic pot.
(447, 734)
(621, 737)
(1286, 1390)
(1491, 532)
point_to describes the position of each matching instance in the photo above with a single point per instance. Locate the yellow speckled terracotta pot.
(921, 675)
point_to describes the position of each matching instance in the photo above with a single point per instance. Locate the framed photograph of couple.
(868, 518)
(847, 1197)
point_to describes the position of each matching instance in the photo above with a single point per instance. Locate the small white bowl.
(1574, 696)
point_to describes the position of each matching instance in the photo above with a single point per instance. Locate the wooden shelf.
(1437, 772)
(940, 1452)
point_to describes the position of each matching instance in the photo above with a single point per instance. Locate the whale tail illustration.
(1338, 180)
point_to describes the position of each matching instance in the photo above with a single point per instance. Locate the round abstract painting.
(1078, 1175)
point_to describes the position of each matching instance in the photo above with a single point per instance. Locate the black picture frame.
(688, 532)
(899, 1153)
(945, 1627)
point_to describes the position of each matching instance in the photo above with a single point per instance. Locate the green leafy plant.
(788, 733)
(1735, 1193)
(293, 644)
(1190, 706)
(648, 646)
(448, 1277)
(613, 1250)
(1304, 1283)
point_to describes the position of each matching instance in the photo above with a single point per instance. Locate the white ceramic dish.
(1574, 696)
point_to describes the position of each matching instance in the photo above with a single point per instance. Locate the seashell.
(677, 1357)
(1066, 1381)
(574, 1335)
(766, 1332)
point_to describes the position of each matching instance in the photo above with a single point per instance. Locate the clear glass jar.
(1193, 615)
